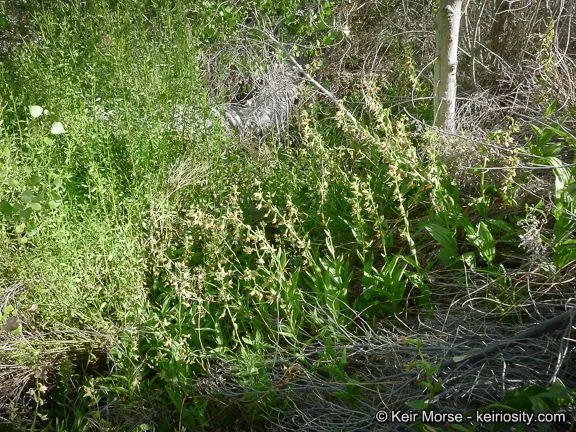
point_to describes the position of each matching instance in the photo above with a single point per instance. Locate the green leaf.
(53, 204)
(538, 404)
(447, 257)
(551, 108)
(557, 395)
(6, 209)
(27, 196)
(447, 240)
(561, 173)
(393, 277)
(35, 206)
(417, 405)
(34, 180)
(470, 259)
(58, 181)
(444, 237)
(31, 227)
(484, 242)
(499, 223)
(565, 253)
(538, 398)
(41, 197)
(25, 213)
(6, 312)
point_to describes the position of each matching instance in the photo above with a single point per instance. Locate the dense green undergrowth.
(152, 269)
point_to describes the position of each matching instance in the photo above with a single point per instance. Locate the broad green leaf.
(565, 253)
(499, 223)
(538, 398)
(53, 204)
(447, 240)
(7, 311)
(447, 257)
(557, 395)
(34, 180)
(444, 237)
(393, 276)
(41, 197)
(539, 404)
(561, 173)
(25, 214)
(484, 242)
(488, 245)
(27, 196)
(6, 209)
(35, 206)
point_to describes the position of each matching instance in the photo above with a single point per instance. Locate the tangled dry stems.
(29, 359)
(385, 367)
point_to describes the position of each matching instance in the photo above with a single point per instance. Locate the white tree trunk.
(447, 31)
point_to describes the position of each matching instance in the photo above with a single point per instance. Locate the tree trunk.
(500, 17)
(447, 30)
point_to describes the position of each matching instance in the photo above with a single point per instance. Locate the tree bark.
(447, 32)
(500, 17)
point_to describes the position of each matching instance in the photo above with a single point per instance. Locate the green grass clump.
(75, 205)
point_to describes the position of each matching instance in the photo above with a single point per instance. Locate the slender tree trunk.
(500, 17)
(447, 31)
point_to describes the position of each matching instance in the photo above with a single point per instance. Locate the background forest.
(163, 269)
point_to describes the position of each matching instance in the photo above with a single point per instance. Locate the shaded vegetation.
(150, 281)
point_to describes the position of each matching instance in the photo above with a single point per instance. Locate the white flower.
(35, 110)
(57, 128)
